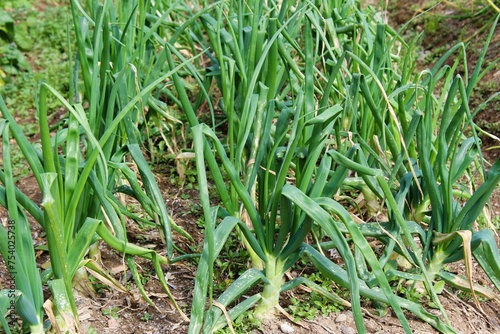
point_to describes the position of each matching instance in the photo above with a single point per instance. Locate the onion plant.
(449, 206)
(71, 183)
(124, 77)
(85, 165)
(318, 105)
(288, 153)
(315, 111)
(18, 253)
(424, 140)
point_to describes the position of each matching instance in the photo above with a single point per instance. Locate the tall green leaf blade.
(341, 277)
(485, 251)
(237, 184)
(201, 287)
(26, 148)
(20, 260)
(242, 284)
(320, 216)
(56, 238)
(47, 149)
(72, 158)
(80, 244)
(151, 187)
(474, 206)
(5, 301)
(368, 254)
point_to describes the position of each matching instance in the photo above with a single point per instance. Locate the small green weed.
(409, 291)
(146, 316)
(91, 330)
(302, 309)
(432, 23)
(245, 323)
(183, 175)
(314, 304)
(467, 296)
(111, 312)
(97, 285)
(231, 263)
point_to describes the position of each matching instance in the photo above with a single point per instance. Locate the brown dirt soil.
(116, 312)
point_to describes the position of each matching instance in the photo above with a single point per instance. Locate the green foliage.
(14, 38)
(278, 128)
(147, 316)
(312, 304)
(78, 169)
(25, 289)
(50, 28)
(274, 136)
(111, 312)
(245, 323)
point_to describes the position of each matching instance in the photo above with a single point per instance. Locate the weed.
(302, 309)
(469, 297)
(432, 23)
(245, 323)
(97, 285)
(312, 304)
(111, 312)
(146, 317)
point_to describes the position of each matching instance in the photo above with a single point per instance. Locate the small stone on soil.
(347, 330)
(286, 328)
(341, 318)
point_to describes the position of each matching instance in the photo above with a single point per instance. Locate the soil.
(115, 312)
